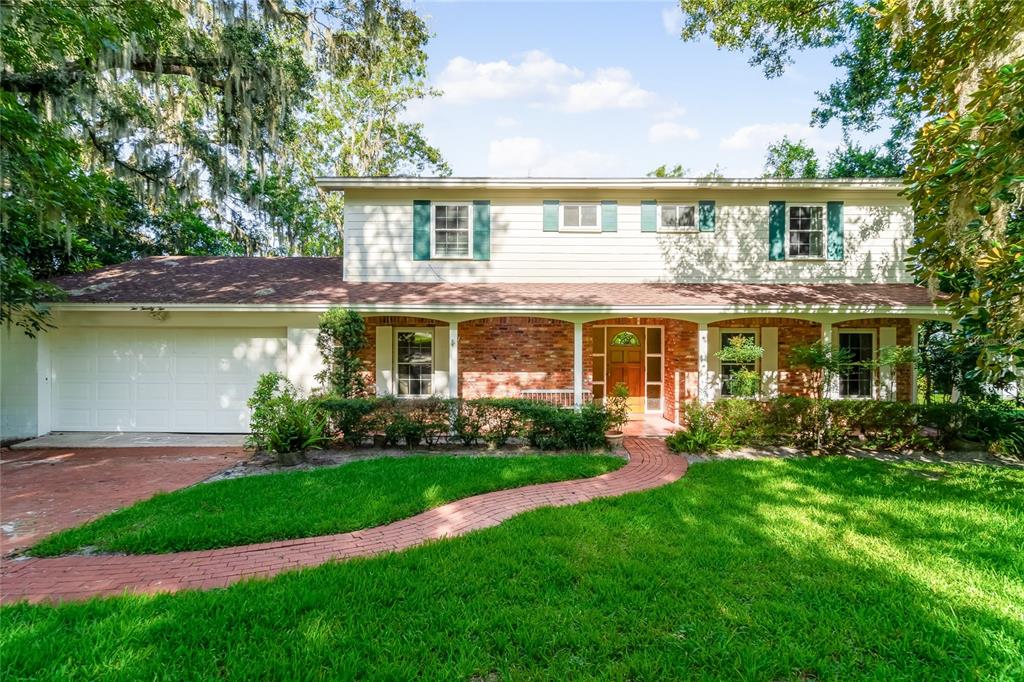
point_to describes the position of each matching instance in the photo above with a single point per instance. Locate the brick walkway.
(51, 489)
(79, 577)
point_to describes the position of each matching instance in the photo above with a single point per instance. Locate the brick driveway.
(42, 491)
(80, 577)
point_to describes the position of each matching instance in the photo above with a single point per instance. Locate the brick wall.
(501, 356)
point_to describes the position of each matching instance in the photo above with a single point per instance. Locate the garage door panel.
(170, 379)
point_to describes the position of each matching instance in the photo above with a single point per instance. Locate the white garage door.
(168, 379)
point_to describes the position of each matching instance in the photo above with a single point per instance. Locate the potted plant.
(617, 407)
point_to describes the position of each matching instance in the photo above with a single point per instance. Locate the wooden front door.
(626, 363)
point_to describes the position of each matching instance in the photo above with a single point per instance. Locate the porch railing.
(562, 397)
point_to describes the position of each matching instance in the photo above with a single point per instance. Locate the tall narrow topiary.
(341, 337)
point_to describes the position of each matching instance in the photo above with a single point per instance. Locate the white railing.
(562, 397)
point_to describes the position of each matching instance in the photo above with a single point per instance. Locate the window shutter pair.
(777, 230)
(421, 230)
(706, 214)
(609, 215)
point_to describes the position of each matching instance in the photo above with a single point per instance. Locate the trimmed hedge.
(832, 424)
(494, 421)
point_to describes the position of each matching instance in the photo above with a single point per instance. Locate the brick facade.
(792, 332)
(369, 352)
(501, 356)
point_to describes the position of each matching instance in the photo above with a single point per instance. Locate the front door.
(626, 363)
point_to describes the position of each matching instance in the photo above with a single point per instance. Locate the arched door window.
(625, 339)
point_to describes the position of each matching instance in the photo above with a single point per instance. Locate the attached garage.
(189, 380)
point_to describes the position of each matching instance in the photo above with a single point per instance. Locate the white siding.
(378, 241)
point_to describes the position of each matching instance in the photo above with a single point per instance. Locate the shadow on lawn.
(760, 570)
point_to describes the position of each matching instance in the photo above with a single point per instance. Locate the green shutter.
(551, 215)
(481, 230)
(421, 229)
(648, 216)
(706, 216)
(776, 230)
(834, 248)
(609, 216)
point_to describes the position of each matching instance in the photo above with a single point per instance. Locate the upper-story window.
(677, 218)
(806, 231)
(580, 218)
(452, 231)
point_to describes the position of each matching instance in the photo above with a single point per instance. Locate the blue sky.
(602, 89)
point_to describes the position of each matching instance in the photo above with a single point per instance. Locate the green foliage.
(549, 427)
(825, 362)
(788, 159)
(702, 432)
(350, 418)
(340, 339)
(667, 171)
(282, 422)
(617, 406)
(140, 128)
(742, 349)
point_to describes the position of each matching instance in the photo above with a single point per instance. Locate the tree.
(340, 340)
(851, 160)
(666, 171)
(124, 114)
(788, 159)
(948, 78)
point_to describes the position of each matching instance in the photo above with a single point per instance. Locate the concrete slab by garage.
(110, 439)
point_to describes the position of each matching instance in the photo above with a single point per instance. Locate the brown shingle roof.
(284, 281)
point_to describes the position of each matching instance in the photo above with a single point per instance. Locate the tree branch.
(60, 79)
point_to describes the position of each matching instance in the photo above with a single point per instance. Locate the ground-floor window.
(856, 381)
(414, 362)
(730, 369)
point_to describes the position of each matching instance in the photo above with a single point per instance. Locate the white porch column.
(384, 359)
(577, 364)
(826, 339)
(770, 362)
(887, 374)
(453, 359)
(954, 396)
(914, 329)
(704, 391)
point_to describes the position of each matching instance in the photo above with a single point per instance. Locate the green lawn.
(308, 503)
(809, 569)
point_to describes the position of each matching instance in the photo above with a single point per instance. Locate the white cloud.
(671, 113)
(506, 122)
(522, 156)
(464, 80)
(760, 134)
(606, 89)
(540, 79)
(667, 131)
(672, 20)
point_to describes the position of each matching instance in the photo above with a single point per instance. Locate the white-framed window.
(677, 218)
(451, 230)
(805, 231)
(580, 217)
(414, 361)
(729, 368)
(857, 381)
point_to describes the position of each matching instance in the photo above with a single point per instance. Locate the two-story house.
(550, 288)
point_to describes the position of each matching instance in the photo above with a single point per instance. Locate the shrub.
(502, 418)
(702, 431)
(427, 420)
(352, 418)
(552, 428)
(469, 422)
(341, 337)
(617, 407)
(281, 421)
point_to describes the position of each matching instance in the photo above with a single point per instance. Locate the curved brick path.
(79, 577)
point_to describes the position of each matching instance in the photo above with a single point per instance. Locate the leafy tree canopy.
(948, 79)
(788, 159)
(193, 126)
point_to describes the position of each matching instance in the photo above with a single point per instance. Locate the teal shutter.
(834, 243)
(706, 216)
(551, 215)
(776, 230)
(482, 230)
(648, 216)
(421, 230)
(609, 216)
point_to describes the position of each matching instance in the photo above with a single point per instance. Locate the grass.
(309, 503)
(810, 569)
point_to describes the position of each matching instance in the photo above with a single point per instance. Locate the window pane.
(451, 231)
(654, 391)
(598, 391)
(599, 368)
(588, 216)
(668, 216)
(625, 339)
(572, 216)
(654, 368)
(654, 340)
(686, 217)
(597, 336)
